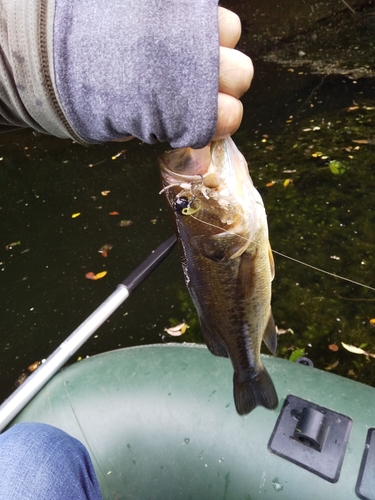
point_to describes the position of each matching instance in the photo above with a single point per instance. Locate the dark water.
(320, 140)
(322, 217)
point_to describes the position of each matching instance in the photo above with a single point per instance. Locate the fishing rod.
(32, 385)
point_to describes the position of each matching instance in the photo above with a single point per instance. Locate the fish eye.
(180, 203)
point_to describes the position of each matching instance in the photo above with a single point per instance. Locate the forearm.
(28, 94)
(96, 70)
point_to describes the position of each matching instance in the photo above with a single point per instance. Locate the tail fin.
(259, 391)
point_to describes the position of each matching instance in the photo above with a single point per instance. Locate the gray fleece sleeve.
(147, 68)
(97, 70)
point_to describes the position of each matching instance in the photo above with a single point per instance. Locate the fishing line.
(353, 299)
(323, 271)
(191, 211)
(292, 258)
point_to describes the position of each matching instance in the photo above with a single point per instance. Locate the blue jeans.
(40, 462)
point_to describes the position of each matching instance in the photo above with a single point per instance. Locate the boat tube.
(160, 423)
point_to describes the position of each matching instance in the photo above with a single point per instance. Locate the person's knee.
(50, 461)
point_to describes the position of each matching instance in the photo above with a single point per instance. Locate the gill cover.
(221, 247)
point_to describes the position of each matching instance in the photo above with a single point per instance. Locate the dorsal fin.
(272, 262)
(270, 335)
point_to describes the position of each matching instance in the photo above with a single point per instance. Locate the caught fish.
(227, 261)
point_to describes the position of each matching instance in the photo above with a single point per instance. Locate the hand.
(235, 75)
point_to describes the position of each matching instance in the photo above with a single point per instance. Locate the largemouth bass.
(227, 261)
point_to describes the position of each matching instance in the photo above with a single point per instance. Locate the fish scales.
(228, 267)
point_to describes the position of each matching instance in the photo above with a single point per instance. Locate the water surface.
(316, 214)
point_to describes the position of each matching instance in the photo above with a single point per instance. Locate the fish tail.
(258, 391)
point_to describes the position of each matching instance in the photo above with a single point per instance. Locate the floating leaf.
(21, 379)
(105, 249)
(34, 366)
(282, 331)
(333, 347)
(176, 331)
(100, 275)
(287, 182)
(332, 366)
(11, 245)
(357, 350)
(125, 223)
(271, 183)
(105, 193)
(118, 154)
(92, 276)
(94, 164)
(361, 141)
(372, 321)
(353, 349)
(336, 167)
(76, 215)
(114, 213)
(297, 354)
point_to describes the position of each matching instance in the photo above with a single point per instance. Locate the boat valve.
(311, 436)
(311, 428)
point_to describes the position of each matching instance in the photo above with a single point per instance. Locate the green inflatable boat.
(160, 424)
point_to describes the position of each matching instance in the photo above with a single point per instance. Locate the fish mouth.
(187, 161)
(193, 166)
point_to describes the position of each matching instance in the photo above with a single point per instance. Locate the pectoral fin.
(270, 335)
(246, 280)
(212, 341)
(221, 247)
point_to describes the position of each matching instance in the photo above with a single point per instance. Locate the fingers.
(229, 28)
(235, 73)
(230, 111)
